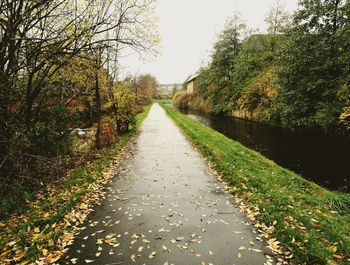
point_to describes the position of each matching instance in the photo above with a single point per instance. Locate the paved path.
(165, 207)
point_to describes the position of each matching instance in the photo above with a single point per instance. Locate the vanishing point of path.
(165, 207)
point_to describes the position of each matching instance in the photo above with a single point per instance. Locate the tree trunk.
(98, 110)
(29, 102)
(335, 16)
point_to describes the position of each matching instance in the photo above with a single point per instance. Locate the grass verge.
(163, 101)
(307, 222)
(47, 226)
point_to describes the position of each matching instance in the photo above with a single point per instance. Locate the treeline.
(296, 75)
(58, 72)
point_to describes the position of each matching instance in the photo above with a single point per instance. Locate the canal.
(318, 157)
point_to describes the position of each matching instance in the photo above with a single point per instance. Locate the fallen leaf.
(51, 243)
(256, 250)
(333, 249)
(151, 256)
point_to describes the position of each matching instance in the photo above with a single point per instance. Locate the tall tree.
(312, 69)
(37, 39)
(219, 76)
(277, 18)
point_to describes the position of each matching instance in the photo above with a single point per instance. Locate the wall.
(245, 114)
(190, 87)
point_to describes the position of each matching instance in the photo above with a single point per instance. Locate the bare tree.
(39, 37)
(127, 26)
(277, 18)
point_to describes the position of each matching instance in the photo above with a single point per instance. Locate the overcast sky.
(188, 29)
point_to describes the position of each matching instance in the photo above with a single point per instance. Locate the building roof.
(192, 78)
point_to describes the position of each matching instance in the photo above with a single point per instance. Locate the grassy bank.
(163, 101)
(192, 101)
(310, 223)
(44, 231)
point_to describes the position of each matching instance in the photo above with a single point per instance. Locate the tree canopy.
(296, 74)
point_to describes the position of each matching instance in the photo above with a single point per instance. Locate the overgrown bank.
(295, 75)
(310, 222)
(45, 229)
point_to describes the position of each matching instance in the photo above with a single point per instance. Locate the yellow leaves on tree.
(126, 107)
(259, 95)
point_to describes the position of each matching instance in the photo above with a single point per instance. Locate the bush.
(126, 109)
(51, 135)
(259, 94)
(30, 155)
(181, 99)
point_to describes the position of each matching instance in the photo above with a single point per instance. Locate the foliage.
(48, 73)
(252, 63)
(309, 51)
(260, 94)
(44, 229)
(181, 99)
(216, 80)
(127, 108)
(308, 223)
(277, 19)
(144, 87)
(312, 65)
(192, 101)
(74, 84)
(257, 55)
(51, 135)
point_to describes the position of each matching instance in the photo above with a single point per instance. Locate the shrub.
(51, 135)
(126, 109)
(260, 93)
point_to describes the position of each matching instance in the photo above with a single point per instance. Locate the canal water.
(318, 157)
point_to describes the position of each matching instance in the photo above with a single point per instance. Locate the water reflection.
(318, 157)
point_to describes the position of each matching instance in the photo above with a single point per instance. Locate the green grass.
(163, 101)
(310, 221)
(57, 202)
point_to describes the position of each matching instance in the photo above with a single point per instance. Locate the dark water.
(321, 158)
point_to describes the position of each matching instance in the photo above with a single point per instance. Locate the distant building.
(191, 84)
(167, 90)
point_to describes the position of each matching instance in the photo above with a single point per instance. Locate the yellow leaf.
(331, 262)
(10, 244)
(45, 251)
(51, 243)
(333, 249)
(36, 230)
(46, 215)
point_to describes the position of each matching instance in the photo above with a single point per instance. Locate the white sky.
(188, 30)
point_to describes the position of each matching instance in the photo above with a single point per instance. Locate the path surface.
(165, 207)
